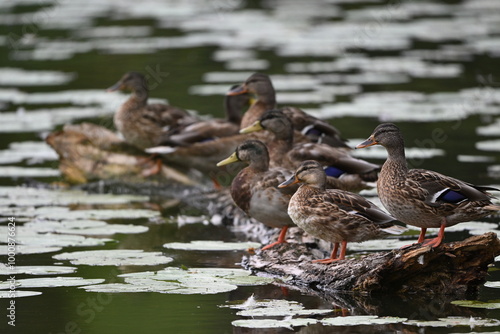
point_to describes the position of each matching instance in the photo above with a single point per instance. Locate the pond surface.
(432, 67)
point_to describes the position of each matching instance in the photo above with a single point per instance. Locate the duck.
(344, 171)
(144, 125)
(210, 129)
(335, 215)
(255, 189)
(421, 197)
(261, 86)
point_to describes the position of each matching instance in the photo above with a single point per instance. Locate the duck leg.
(421, 237)
(281, 239)
(437, 241)
(333, 257)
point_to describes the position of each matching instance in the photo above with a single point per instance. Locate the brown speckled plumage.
(335, 215)
(424, 198)
(286, 153)
(255, 188)
(312, 128)
(141, 124)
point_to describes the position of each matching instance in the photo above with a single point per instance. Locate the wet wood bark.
(456, 268)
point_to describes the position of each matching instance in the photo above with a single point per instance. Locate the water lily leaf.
(272, 312)
(18, 294)
(46, 282)
(493, 304)
(195, 280)
(84, 227)
(28, 249)
(356, 320)
(14, 171)
(34, 152)
(36, 270)
(115, 288)
(455, 321)
(195, 285)
(97, 214)
(21, 77)
(270, 323)
(27, 237)
(115, 257)
(378, 245)
(22, 196)
(210, 245)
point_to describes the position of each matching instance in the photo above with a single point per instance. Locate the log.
(457, 268)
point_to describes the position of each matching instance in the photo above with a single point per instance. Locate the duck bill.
(238, 90)
(256, 126)
(369, 142)
(289, 182)
(115, 87)
(229, 160)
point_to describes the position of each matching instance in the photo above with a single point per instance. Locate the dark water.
(431, 67)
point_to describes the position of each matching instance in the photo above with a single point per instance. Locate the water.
(431, 67)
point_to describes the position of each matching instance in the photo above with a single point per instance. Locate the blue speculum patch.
(451, 196)
(333, 171)
(313, 131)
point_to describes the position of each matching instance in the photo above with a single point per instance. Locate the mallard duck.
(212, 128)
(141, 124)
(422, 197)
(260, 85)
(344, 171)
(334, 215)
(254, 189)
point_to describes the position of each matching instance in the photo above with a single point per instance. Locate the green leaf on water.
(18, 294)
(270, 323)
(211, 245)
(115, 257)
(356, 320)
(50, 282)
(36, 270)
(492, 304)
(455, 321)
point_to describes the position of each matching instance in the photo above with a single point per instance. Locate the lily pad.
(84, 227)
(455, 321)
(270, 323)
(209, 245)
(115, 257)
(27, 237)
(115, 288)
(28, 249)
(33, 152)
(356, 320)
(493, 304)
(46, 213)
(14, 171)
(22, 196)
(36, 270)
(52, 282)
(18, 294)
(194, 280)
(20, 77)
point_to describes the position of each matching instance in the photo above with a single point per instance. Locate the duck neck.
(139, 97)
(260, 165)
(396, 161)
(268, 99)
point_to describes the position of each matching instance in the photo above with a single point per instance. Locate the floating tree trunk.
(454, 268)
